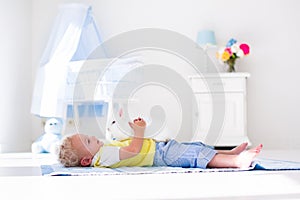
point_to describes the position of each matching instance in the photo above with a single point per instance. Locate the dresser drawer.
(213, 84)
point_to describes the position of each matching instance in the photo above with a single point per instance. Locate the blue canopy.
(74, 37)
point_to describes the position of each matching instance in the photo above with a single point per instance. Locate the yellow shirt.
(144, 158)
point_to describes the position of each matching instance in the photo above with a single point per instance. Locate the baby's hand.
(138, 124)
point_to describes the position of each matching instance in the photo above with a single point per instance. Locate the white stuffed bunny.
(48, 142)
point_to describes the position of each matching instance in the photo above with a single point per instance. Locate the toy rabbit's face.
(53, 126)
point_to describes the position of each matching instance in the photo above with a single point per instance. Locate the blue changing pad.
(258, 164)
(270, 164)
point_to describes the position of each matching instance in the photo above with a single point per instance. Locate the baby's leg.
(242, 160)
(235, 151)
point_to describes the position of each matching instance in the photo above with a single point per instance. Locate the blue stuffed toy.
(48, 142)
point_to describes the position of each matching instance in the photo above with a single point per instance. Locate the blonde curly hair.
(67, 155)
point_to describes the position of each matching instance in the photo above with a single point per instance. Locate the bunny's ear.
(131, 124)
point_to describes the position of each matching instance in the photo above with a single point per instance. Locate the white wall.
(16, 79)
(270, 26)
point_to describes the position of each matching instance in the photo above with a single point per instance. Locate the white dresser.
(220, 111)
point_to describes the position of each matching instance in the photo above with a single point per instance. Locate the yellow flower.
(225, 56)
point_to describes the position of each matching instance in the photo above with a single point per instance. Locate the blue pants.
(188, 155)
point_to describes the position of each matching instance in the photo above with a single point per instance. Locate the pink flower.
(245, 48)
(227, 49)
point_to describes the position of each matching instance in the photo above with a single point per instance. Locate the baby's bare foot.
(245, 158)
(239, 149)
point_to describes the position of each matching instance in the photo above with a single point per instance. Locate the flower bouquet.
(231, 52)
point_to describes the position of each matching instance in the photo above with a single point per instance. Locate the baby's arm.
(138, 126)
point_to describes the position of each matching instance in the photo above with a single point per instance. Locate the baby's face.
(86, 145)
